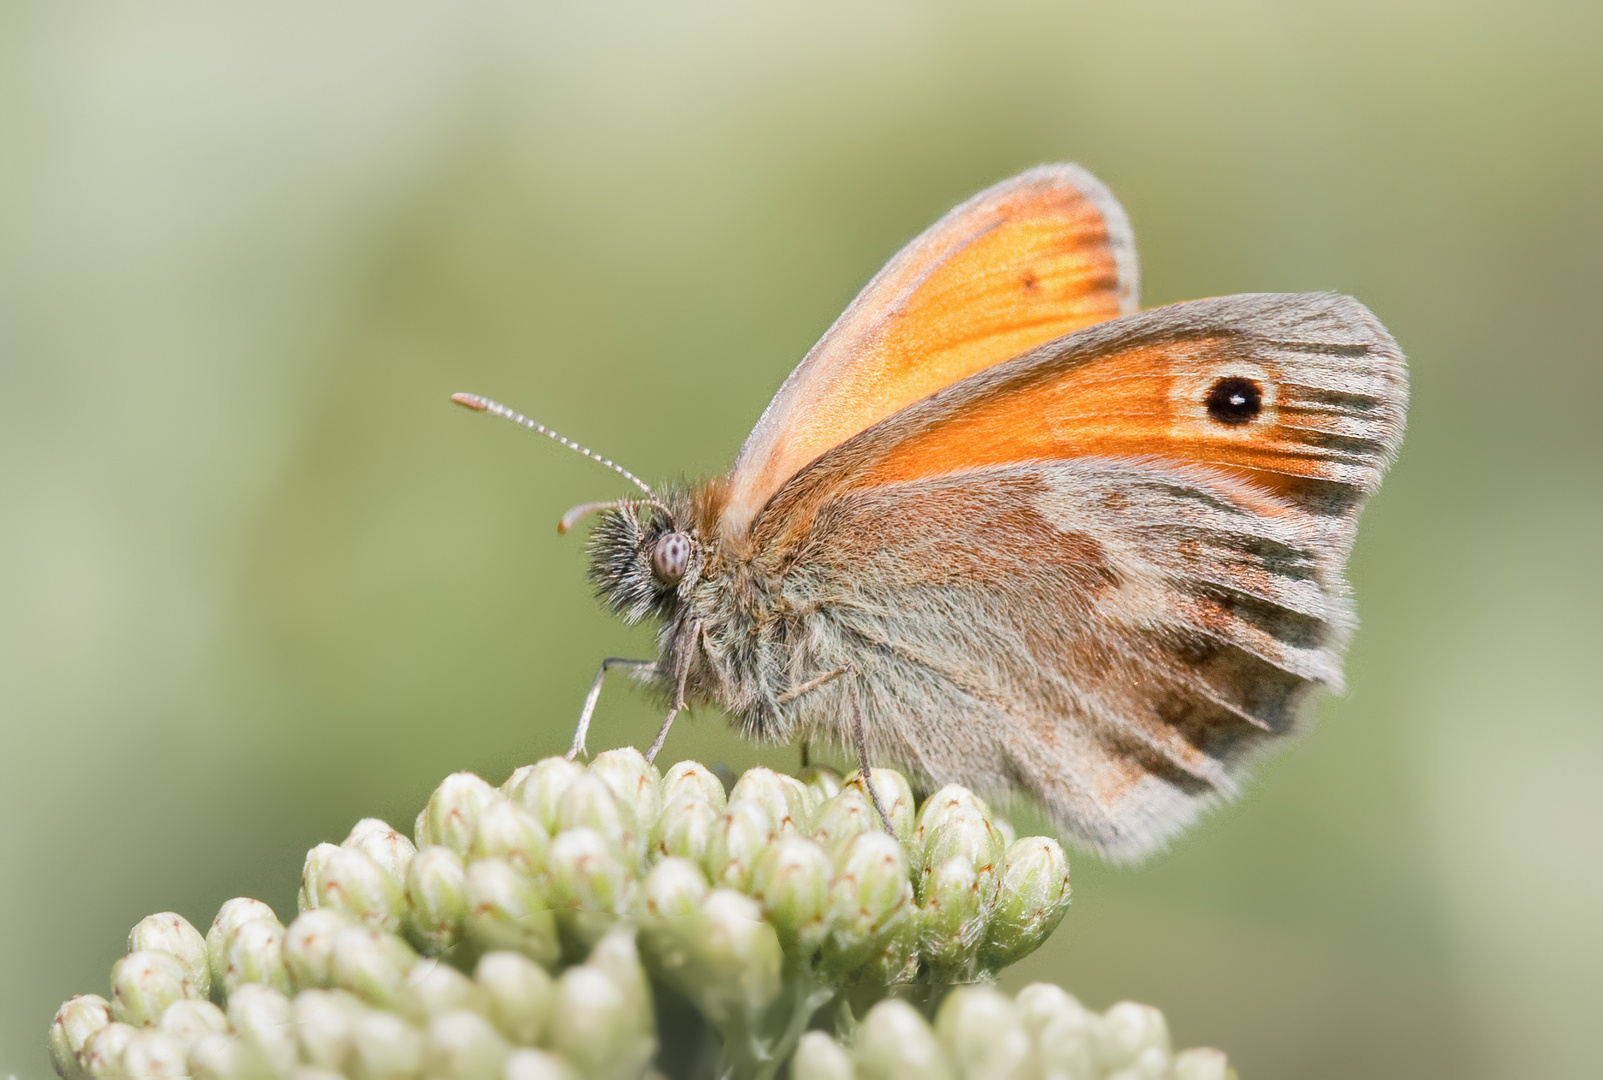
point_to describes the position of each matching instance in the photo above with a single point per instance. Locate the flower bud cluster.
(981, 1034)
(525, 931)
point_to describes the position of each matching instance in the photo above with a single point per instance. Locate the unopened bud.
(152, 1055)
(103, 1050)
(1201, 1063)
(255, 954)
(842, 817)
(325, 1022)
(264, 1018)
(347, 879)
(385, 1047)
(938, 806)
(1032, 898)
(895, 796)
(171, 933)
(539, 788)
(221, 1057)
(1064, 1031)
(539, 1065)
(782, 797)
(233, 914)
(674, 888)
(434, 988)
(309, 947)
(371, 964)
(818, 1057)
(600, 1026)
(436, 898)
(633, 781)
(590, 804)
(686, 825)
(962, 831)
(74, 1023)
(519, 993)
(820, 784)
(1128, 1030)
(462, 1045)
(507, 910)
(587, 873)
(511, 832)
(895, 1043)
(870, 902)
(693, 778)
(791, 882)
(738, 838)
(983, 1034)
(735, 959)
(452, 813)
(188, 1021)
(952, 918)
(144, 983)
(391, 850)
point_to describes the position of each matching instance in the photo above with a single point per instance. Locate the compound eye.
(671, 558)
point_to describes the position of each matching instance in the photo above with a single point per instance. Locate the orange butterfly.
(1007, 531)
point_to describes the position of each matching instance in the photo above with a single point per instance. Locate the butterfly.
(1004, 529)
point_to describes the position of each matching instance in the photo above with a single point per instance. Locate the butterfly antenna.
(484, 404)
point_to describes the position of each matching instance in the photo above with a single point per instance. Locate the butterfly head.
(642, 559)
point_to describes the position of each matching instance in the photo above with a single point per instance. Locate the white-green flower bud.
(325, 1023)
(511, 832)
(589, 804)
(1064, 1032)
(1202, 1063)
(587, 872)
(222, 1056)
(434, 988)
(452, 813)
(963, 831)
(390, 849)
(144, 983)
(946, 801)
(520, 996)
(820, 784)
(1150, 1064)
(347, 879)
(171, 933)
(1032, 898)
(692, 777)
(507, 910)
(384, 1047)
(539, 788)
(539, 1065)
(983, 1034)
(791, 882)
(371, 964)
(263, 1018)
(255, 954)
(617, 957)
(895, 1043)
(188, 1020)
(233, 914)
(1127, 1031)
(76, 1020)
(675, 888)
(599, 1025)
(102, 1051)
(152, 1055)
(782, 797)
(462, 1045)
(732, 959)
(895, 795)
(436, 898)
(870, 902)
(951, 918)
(738, 838)
(309, 947)
(686, 825)
(842, 817)
(818, 1057)
(633, 781)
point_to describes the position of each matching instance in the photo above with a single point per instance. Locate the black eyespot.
(1235, 400)
(671, 558)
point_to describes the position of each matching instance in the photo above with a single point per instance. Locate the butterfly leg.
(681, 676)
(867, 773)
(593, 696)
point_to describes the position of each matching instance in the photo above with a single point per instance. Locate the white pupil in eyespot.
(671, 558)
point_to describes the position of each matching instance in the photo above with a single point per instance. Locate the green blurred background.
(258, 578)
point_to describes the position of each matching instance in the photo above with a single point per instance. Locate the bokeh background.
(258, 578)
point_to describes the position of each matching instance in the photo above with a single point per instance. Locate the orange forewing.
(1021, 264)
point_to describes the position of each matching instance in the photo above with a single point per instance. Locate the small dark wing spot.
(1235, 400)
(1031, 283)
